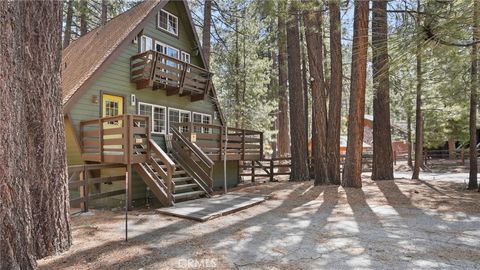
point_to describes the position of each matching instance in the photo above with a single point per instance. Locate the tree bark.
(409, 139)
(352, 173)
(382, 138)
(304, 77)
(67, 35)
(418, 110)
(472, 178)
(299, 171)
(312, 18)
(207, 24)
(103, 18)
(33, 180)
(83, 17)
(451, 148)
(335, 94)
(283, 138)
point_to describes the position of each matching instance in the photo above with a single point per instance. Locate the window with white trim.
(158, 116)
(185, 57)
(201, 118)
(168, 22)
(146, 44)
(178, 116)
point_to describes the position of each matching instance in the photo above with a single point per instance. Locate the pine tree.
(353, 161)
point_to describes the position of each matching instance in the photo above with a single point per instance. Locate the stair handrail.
(193, 147)
(199, 154)
(166, 175)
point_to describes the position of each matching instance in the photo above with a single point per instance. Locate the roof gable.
(87, 55)
(85, 58)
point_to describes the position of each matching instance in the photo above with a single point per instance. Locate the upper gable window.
(168, 22)
(146, 43)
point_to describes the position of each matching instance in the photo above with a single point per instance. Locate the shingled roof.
(88, 54)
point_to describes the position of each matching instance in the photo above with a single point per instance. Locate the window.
(185, 57)
(168, 22)
(158, 116)
(204, 119)
(168, 50)
(146, 44)
(178, 116)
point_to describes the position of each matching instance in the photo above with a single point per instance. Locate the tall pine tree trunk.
(283, 138)
(409, 138)
(472, 179)
(312, 18)
(67, 35)
(352, 173)
(304, 76)
(103, 18)
(382, 138)
(418, 107)
(297, 114)
(33, 182)
(83, 17)
(335, 93)
(207, 23)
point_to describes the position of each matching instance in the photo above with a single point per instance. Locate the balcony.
(156, 70)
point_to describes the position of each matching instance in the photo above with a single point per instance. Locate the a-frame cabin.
(137, 96)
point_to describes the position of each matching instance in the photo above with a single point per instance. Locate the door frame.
(111, 94)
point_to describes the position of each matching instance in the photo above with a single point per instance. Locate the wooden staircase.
(168, 179)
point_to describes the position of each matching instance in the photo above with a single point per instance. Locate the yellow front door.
(112, 106)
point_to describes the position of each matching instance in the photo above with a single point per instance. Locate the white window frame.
(168, 18)
(180, 112)
(165, 46)
(183, 57)
(142, 43)
(151, 116)
(204, 130)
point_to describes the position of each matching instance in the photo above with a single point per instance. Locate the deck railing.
(151, 68)
(194, 160)
(242, 144)
(117, 139)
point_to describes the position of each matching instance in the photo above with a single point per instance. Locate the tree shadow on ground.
(161, 252)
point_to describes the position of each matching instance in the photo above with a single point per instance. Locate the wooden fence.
(271, 167)
(84, 177)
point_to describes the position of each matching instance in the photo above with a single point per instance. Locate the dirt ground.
(401, 224)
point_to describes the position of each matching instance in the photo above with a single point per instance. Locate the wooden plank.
(113, 131)
(91, 133)
(106, 194)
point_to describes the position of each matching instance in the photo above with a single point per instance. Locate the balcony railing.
(159, 71)
(242, 144)
(117, 139)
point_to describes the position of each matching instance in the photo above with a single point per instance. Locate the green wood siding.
(116, 80)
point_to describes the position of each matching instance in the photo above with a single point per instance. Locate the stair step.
(185, 186)
(182, 179)
(188, 195)
(179, 172)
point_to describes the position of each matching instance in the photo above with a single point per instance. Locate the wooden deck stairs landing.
(167, 178)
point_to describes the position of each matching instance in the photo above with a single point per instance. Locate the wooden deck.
(209, 208)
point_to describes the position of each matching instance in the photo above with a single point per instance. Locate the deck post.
(271, 170)
(261, 146)
(243, 144)
(129, 158)
(100, 138)
(83, 204)
(253, 171)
